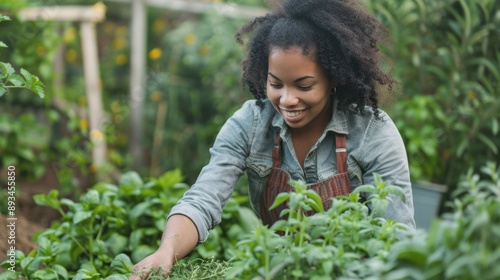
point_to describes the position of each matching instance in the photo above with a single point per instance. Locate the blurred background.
(446, 55)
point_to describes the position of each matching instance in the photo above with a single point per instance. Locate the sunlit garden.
(108, 110)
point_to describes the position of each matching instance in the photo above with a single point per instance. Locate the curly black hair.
(342, 35)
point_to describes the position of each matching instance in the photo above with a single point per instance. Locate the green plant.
(446, 55)
(463, 243)
(17, 145)
(110, 220)
(10, 80)
(325, 245)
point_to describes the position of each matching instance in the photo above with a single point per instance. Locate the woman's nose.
(288, 98)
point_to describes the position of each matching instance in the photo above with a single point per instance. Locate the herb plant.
(325, 245)
(124, 220)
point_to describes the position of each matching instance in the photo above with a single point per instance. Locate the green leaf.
(46, 274)
(170, 178)
(143, 208)
(116, 277)
(81, 216)
(61, 271)
(121, 264)
(84, 274)
(397, 191)
(317, 204)
(2, 45)
(33, 83)
(118, 243)
(488, 142)
(2, 90)
(495, 126)
(27, 76)
(4, 18)
(280, 199)
(16, 80)
(131, 179)
(8, 275)
(365, 188)
(6, 68)
(49, 199)
(91, 197)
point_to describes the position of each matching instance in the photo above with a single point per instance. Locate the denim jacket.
(245, 143)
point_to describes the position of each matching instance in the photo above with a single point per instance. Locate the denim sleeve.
(383, 152)
(204, 201)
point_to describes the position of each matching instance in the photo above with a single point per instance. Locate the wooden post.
(93, 91)
(87, 16)
(137, 83)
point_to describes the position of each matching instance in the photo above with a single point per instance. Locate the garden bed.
(30, 216)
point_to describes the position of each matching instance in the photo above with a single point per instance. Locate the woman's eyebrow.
(295, 81)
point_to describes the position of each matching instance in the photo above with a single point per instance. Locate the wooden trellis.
(138, 48)
(87, 16)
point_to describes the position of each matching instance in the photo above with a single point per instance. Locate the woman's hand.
(179, 238)
(159, 259)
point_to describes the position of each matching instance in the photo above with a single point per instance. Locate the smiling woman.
(313, 68)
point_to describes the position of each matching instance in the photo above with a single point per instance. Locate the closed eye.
(274, 85)
(304, 88)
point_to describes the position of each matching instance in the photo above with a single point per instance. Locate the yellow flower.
(471, 94)
(121, 59)
(82, 100)
(96, 135)
(69, 35)
(92, 168)
(84, 125)
(203, 50)
(159, 25)
(156, 96)
(40, 49)
(155, 53)
(70, 55)
(190, 39)
(115, 107)
(119, 43)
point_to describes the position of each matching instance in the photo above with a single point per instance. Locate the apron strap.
(341, 152)
(276, 152)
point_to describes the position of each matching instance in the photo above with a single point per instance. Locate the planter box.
(427, 202)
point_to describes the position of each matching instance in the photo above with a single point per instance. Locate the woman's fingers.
(153, 263)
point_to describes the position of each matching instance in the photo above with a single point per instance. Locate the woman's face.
(298, 88)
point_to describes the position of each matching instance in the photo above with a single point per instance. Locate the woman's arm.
(200, 209)
(384, 153)
(179, 238)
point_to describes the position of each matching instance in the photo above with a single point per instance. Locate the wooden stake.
(93, 91)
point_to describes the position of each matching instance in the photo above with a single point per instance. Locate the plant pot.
(427, 199)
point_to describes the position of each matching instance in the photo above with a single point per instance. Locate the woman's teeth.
(292, 113)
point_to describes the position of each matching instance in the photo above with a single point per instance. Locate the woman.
(313, 68)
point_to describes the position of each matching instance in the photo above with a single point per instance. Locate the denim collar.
(337, 124)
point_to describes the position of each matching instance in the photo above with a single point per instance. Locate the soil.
(31, 218)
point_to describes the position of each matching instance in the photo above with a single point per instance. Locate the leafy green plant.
(325, 245)
(9, 79)
(111, 220)
(462, 244)
(17, 147)
(446, 55)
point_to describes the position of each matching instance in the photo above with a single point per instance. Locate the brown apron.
(337, 185)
